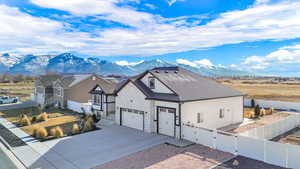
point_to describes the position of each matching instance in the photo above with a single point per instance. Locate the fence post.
(215, 139)
(235, 145)
(265, 142)
(286, 157)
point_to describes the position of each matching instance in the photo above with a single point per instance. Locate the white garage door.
(133, 118)
(40, 98)
(166, 121)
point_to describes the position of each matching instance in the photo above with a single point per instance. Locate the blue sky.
(262, 36)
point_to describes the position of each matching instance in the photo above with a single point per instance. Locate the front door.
(166, 121)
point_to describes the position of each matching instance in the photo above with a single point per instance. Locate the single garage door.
(132, 118)
(166, 121)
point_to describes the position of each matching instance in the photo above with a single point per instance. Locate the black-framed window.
(200, 118)
(222, 113)
(152, 83)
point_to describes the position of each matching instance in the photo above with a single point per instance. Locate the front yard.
(52, 123)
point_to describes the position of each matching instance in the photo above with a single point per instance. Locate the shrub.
(88, 125)
(262, 112)
(43, 117)
(34, 119)
(75, 129)
(252, 103)
(257, 110)
(24, 121)
(41, 133)
(95, 118)
(59, 132)
(270, 111)
(53, 131)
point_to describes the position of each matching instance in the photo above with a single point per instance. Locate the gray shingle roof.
(106, 86)
(47, 80)
(190, 86)
(186, 85)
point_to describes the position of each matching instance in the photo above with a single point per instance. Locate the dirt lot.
(256, 123)
(22, 90)
(266, 89)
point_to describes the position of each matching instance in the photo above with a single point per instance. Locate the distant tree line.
(12, 78)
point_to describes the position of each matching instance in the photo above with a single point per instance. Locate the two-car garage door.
(132, 118)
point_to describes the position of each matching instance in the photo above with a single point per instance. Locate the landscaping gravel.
(246, 163)
(10, 137)
(169, 157)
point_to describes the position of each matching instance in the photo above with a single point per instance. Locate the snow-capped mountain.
(31, 64)
(9, 60)
(69, 63)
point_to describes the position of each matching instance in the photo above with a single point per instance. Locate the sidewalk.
(32, 154)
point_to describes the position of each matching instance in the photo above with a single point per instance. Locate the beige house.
(43, 91)
(72, 91)
(167, 100)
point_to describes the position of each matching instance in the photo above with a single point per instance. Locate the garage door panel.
(132, 119)
(166, 121)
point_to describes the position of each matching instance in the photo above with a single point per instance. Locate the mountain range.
(69, 63)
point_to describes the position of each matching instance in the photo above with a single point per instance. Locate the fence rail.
(275, 129)
(290, 106)
(253, 144)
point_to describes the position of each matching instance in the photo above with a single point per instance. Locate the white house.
(164, 99)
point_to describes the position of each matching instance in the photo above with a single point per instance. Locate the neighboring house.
(103, 98)
(164, 99)
(72, 91)
(43, 90)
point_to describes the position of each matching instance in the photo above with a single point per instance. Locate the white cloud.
(126, 63)
(152, 34)
(204, 62)
(171, 2)
(106, 9)
(186, 62)
(258, 2)
(196, 63)
(283, 56)
(151, 6)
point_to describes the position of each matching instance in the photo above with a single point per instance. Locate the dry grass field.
(22, 90)
(254, 88)
(266, 89)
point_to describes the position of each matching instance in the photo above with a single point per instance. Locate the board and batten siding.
(159, 87)
(131, 97)
(210, 109)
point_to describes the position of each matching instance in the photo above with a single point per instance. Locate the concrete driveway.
(17, 105)
(92, 149)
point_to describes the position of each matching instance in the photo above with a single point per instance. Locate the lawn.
(56, 117)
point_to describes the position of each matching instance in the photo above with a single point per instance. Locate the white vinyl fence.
(79, 107)
(275, 104)
(274, 129)
(256, 147)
